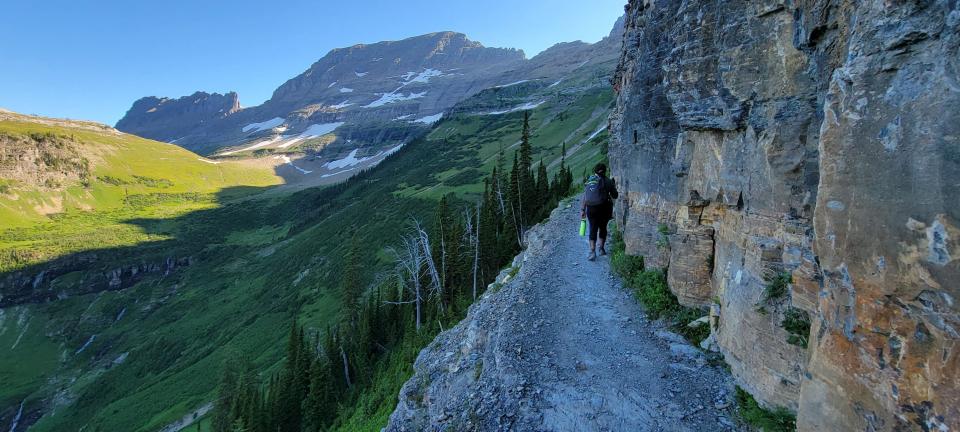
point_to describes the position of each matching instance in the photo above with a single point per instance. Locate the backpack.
(594, 192)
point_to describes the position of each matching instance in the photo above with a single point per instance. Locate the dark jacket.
(608, 189)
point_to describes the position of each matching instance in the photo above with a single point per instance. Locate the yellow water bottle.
(583, 227)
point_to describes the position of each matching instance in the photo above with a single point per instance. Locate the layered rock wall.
(816, 141)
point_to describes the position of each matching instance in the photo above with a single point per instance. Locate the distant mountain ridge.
(361, 100)
(410, 79)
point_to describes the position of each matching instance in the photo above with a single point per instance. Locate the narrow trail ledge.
(562, 346)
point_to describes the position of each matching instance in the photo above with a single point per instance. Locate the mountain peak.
(166, 119)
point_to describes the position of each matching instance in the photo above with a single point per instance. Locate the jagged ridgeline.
(129, 280)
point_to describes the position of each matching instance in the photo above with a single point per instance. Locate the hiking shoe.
(603, 251)
(592, 256)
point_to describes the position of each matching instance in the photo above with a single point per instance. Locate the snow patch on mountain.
(341, 105)
(524, 107)
(360, 74)
(596, 132)
(352, 162)
(332, 84)
(23, 331)
(346, 90)
(260, 144)
(269, 124)
(16, 418)
(348, 161)
(512, 84)
(429, 119)
(316, 130)
(394, 96)
(422, 77)
(86, 344)
(286, 160)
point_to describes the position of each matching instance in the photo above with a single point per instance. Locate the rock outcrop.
(166, 119)
(45, 160)
(790, 158)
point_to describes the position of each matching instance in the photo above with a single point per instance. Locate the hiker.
(598, 195)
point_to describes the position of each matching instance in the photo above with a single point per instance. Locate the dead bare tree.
(473, 240)
(409, 260)
(346, 367)
(414, 264)
(503, 207)
(436, 287)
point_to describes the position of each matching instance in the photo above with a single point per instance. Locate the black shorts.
(599, 216)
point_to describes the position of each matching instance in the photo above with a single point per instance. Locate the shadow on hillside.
(197, 235)
(235, 226)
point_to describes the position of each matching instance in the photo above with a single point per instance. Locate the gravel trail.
(563, 346)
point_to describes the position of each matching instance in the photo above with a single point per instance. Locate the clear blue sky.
(91, 59)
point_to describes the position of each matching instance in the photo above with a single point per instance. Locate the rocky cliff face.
(166, 119)
(811, 141)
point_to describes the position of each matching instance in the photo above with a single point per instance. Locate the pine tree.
(514, 221)
(293, 383)
(351, 281)
(227, 394)
(526, 152)
(527, 184)
(238, 426)
(319, 407)
(545, 200)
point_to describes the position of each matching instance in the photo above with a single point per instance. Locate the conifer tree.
(545, 200)
(227, 394)
(351, 281)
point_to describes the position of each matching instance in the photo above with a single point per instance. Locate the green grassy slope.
(129, 178)
(143, 356)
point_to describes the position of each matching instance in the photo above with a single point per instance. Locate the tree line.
(439, 269)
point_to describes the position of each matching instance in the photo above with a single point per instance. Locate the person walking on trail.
(597, 207)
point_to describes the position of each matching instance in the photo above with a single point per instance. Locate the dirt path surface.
(562, 346)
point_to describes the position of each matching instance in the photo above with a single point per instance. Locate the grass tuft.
(777, 286)
(776, 420)
(797, 323)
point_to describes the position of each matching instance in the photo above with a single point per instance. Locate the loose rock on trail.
(562, 346)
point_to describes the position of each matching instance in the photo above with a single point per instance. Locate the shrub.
(797, 323)
(776, 420)
(111, 180)
(663, 239)
(153, 182)
(651, 289)
(777, 286)
(626, 264)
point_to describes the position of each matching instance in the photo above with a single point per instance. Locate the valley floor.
(563, 346)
